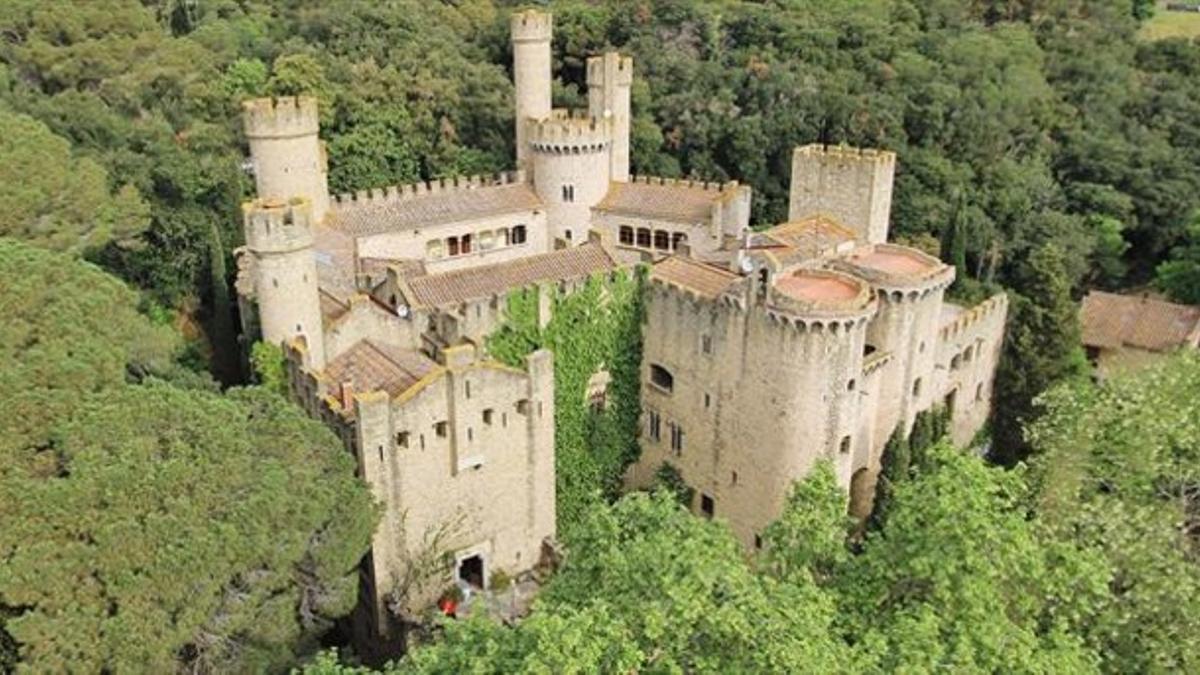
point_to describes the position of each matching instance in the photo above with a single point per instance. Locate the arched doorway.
(862, 493)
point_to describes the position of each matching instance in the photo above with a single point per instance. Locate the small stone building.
(1126, 332)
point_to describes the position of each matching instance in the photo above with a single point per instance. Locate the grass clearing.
(1165, 24)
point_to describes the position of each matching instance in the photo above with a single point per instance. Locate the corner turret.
(279, 237)
(531, 31)
(609, 78)
(286, 151)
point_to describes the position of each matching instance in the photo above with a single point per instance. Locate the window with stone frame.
(625, 235)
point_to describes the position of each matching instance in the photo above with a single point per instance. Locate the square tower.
(850, 185)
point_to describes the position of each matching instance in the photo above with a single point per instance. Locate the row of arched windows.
(644, 237)
(485, 241)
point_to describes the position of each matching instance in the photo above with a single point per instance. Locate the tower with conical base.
(279, 237)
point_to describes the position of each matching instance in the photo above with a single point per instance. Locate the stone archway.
(862, 493)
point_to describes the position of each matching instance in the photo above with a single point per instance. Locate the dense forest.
(1044, 149)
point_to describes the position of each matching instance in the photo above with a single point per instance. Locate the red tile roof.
(369, 366)
(451, 288)
(450, 205)
(678, 202)
(701, 278)
(1111, 320)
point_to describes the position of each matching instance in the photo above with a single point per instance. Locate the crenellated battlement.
(732, 187)
(276, 226)
(846, 153)
(280, 117)
(394, 194)
(988, 309)
(572, 134)
(531, 25)
(609, 64)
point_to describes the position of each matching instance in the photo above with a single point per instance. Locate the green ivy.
(597, 327)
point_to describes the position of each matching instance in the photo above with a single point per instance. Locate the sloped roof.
(1112, 320)
(802, 240)
(678, 202)
(435, 208)
(450, 288)
(370, 366)
(703, 279)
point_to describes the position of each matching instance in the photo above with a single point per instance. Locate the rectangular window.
(655, 426)
(625, 235)
(442, 429)
(452, 245)
(677, 439)
(488, 415)
(568, 193)
(707, 400)
(916, 390)
(402, 439)
(643, 237)
(518, 234)
(707, 507)
(844, 446)
(706, 344)
(662, 240)
(466, 244)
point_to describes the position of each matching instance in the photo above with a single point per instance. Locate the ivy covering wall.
(593, 328)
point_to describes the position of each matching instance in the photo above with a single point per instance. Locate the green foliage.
(1119, 470)
(597, 327)
(905, 457)
(52, 198)
(648, 587)
(1041, 348)
(1180, 276)
(668, 478)
(267, 362)
(151, 523)
(808, 542)
(185, 528)
(960, 579)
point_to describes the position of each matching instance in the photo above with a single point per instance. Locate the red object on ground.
(448, 606)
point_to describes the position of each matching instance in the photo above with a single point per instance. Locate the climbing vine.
(594, 328)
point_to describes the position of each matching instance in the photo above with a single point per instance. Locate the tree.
(1118, 469)
(149, 521)
(647, 586)
(894, 469)
(960, 579)
(53, 198)
(808, 541)
(1180, 276)
(1042, 347)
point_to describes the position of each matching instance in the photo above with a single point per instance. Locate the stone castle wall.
(286, 152)
(851, 185)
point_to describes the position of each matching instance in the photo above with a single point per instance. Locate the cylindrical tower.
(570, 158)
(531, 31)
(289, 160)
(910, 285)
(279, 236)
(608, 80)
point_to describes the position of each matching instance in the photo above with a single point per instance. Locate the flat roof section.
(819, 288)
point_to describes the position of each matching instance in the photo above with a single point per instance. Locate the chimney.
(347, 395)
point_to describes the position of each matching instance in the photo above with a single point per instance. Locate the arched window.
(643, 237)
(661, 377)
(466, 244)
(518, 234)
(452, 245)
(626, 235)
(662, 240)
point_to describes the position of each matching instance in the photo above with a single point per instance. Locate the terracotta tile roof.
(334, 252)
(678, 202)
(437, 208)
(332, 308)
(450, 288)
(1111, 320)
(803, 240)
(369, 366)
(703, 279)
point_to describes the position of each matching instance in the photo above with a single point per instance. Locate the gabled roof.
(475, 283)
(802, 240)
(1111, 320)
(703, 279)
(674, 201)
(370, 366)
(378, 216)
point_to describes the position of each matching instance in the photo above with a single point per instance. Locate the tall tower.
(289, 160)
(531, 31)
(279, 236)
(608, 80)
(852, 186)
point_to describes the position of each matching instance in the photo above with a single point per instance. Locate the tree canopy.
(151, 522)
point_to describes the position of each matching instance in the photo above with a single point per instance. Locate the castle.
(763, 351)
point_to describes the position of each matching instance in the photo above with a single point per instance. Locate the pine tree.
(1042, 347)
(894, 468)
